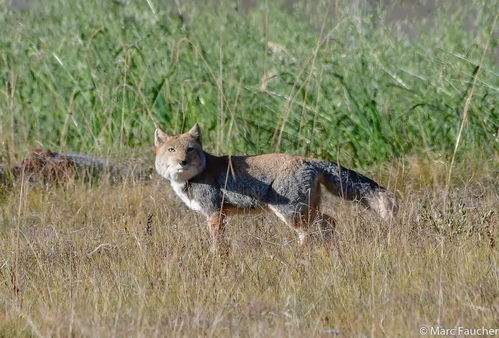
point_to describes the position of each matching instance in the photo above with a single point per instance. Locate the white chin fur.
(175, 173)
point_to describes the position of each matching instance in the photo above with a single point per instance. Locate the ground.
(102, 259)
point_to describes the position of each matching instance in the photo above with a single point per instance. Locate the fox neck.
(203, 164)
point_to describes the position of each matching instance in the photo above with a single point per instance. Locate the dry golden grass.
(131, 260)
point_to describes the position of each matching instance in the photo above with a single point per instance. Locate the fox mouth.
(181, 173)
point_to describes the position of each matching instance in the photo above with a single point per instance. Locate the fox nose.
(182, 163)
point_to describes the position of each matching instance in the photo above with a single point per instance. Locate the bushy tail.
(353, 186)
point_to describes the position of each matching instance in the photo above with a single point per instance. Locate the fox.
(288, 185)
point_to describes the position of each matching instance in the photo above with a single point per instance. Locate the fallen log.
(44, 165)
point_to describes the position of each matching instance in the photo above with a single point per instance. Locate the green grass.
(95, 76)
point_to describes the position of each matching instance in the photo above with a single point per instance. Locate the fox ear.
(196, 132)
(159, 137)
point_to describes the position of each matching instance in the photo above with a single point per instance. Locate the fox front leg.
(216, 228)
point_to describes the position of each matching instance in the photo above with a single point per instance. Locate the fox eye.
(171, 149)
(190, 149)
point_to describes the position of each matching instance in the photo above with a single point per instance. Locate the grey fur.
(347, 183)
(289, 196)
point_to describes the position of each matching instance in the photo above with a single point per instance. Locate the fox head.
(179, 157)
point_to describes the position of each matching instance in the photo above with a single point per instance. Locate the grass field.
(129, 260)
(416, 111)
(95, 76)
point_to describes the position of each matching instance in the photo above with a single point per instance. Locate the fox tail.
(353, 186)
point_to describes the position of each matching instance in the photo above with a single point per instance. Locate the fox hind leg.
(301, 226)
(299, 222)
(323, 225)
(313, 223)
(294, 221)
(302, 222)
(326, 226)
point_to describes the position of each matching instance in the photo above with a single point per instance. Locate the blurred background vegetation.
(361, 82)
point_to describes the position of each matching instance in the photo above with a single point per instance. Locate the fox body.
(219, 186)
